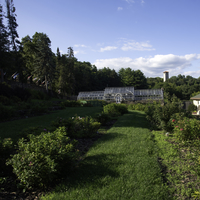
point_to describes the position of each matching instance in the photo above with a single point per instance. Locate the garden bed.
(9, 189)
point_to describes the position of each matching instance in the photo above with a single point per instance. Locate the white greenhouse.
(119, 94)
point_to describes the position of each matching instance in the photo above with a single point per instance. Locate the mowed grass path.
(122, 165)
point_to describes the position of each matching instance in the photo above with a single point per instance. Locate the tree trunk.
(46, 83)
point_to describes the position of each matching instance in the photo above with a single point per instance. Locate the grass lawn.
(12, 128)
(121, 165)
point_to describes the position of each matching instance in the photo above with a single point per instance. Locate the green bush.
(137, 106)
(115, 110)
(31, 130)
(103, 118)
(186, 129)
(69, 103)
(43, 159)
(192, 108)
(88, 104)
(78, 127)
(160, 115)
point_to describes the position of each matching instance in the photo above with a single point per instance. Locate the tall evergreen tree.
(12, 25)
(4, 44)
(43, 63)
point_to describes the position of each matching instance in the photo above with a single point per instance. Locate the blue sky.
(150, 35)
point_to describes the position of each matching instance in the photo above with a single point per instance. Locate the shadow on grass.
(91, 172)
(135, 119)
(94, 168)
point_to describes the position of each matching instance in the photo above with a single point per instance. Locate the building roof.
(197, 97)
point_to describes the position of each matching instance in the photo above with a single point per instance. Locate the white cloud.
(142, 2)
(108, 48)
(76, 52)
(80, 45)
(119, 8)
(79, 52)
(130, 1)
(137, 46)
(151, 66)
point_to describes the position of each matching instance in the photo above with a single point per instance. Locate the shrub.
(103, 118)
(69, 103)
(160, 115)
(78, 127)
(31, 130)
(192, 108)
(43, 159)
(115, 109)
(88, 104)
(137, 106)
(187, 129)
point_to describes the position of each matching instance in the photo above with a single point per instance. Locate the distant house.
(196, 102)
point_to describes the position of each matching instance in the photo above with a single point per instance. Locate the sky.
(150, 35)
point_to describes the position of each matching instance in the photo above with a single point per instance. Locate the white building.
(119, 94)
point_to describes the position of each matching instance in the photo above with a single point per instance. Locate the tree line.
(32, 59)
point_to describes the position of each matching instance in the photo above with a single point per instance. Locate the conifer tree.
(4, 44)
(43, 63)
(12, 25)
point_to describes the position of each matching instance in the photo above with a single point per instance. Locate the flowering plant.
(187, 129)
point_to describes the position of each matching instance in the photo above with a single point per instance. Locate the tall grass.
(121, 165)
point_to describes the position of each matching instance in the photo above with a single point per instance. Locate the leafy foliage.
(44, 158)
(187, 129)
(78, 127)
(115, 109)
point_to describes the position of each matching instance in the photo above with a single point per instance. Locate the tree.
(4, 44)
(28, 54)
(43, 63)
(130, 77)
(12, 25)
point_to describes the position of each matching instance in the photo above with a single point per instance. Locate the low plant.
(78, 127)
(187, 129)
(43, 158)
(115, 110)
(103, 118)
(160, 115)
(192, 108)
(71, 103)
(36, 130)
(137, 106)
